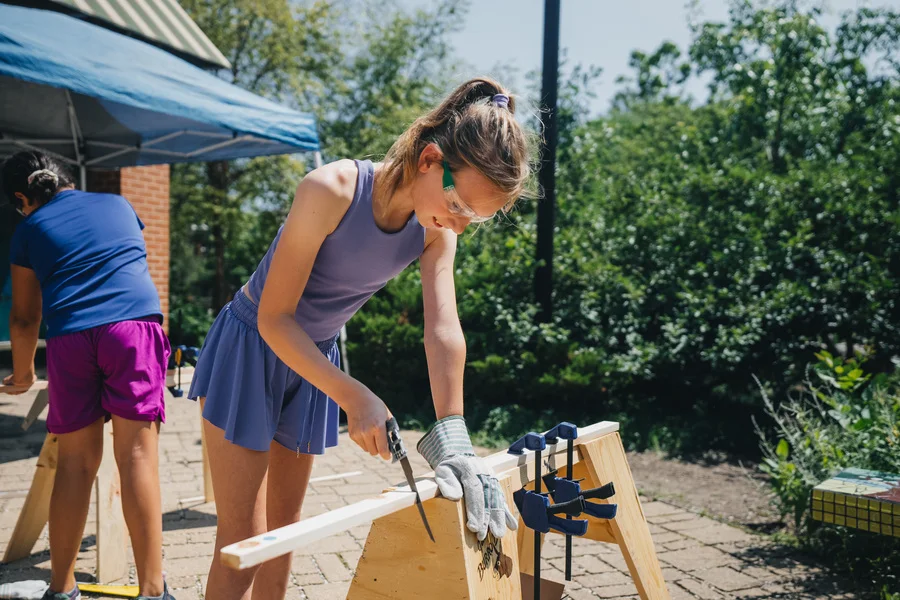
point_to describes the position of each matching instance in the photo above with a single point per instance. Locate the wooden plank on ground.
(39, 404)
(40, 384)
(208, 494)
(37, 407)
(36, 509)
(112, 555)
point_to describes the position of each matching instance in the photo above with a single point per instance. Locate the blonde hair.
(471, 130)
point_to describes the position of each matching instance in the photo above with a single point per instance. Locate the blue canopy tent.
(100, 99)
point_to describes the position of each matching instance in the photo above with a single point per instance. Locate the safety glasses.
(454, 204)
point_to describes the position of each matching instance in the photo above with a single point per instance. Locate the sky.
(602, 33)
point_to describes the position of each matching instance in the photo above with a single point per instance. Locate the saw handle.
(398, 450)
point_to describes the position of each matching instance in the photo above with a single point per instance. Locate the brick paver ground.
(701, 557)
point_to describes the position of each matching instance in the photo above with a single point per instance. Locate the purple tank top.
(353, 263)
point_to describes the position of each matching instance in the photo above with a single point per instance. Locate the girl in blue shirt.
(79, 260)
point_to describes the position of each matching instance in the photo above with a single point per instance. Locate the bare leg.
(288, 478)
(239, 484)
(80, 453)
(137, 455)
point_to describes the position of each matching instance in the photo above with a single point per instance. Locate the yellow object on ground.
(119, 591)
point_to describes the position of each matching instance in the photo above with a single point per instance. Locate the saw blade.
(407, 470)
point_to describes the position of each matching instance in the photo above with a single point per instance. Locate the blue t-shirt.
(88, 253)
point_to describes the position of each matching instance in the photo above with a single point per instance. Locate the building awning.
(161, 22)
(100, 99)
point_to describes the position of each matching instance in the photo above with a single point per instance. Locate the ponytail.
(474, 126)
(36, 175)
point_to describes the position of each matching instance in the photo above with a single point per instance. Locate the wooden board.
(525, 543)
(208, 495)
(112, 555)
(7, 345)
(112, 559)
(522, 475)
(37, 407)
(605, 461)
(39, 404)
(40, 384)
(550, 590)
(261, 548)
(36, 510)
(599, 530)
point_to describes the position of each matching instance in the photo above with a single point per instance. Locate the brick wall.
(147, 188)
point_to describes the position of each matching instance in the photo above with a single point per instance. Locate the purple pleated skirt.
(252, 395)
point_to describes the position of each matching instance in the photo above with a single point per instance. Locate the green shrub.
(840, 417)
(695, 243)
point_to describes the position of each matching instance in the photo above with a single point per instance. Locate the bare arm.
(445, 346)
(320, 203)
(24, 324)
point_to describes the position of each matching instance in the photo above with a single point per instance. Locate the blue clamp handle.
(540, 516)
(603, 492)
(529, 441)
(551, 478)
(564, 430)
(601, 511)
(565, 490)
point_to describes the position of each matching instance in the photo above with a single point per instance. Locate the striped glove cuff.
(448, 437)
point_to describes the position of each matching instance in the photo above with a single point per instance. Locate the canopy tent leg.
(77, 142)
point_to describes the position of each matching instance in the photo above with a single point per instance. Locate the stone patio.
(701, 557)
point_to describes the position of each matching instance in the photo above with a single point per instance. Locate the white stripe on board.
(199, 35)
(179, 26)
(84, 7)
(138, 21)
(112, 14)
(339, 476)
(165, 31)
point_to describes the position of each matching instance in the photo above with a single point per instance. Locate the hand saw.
(398, 451)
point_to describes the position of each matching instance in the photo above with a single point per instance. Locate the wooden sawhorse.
(112, 556)
(399, 561)
(111, 535)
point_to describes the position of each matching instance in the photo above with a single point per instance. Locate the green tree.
(655, 77)
(365, 69)
(400, 64)
(280, 50)
(698, 245)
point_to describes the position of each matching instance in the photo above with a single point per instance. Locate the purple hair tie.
(500, 100)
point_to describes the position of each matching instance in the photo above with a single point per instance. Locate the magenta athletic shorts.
(115, 369)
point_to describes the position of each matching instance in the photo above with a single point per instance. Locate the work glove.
(459, 473)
